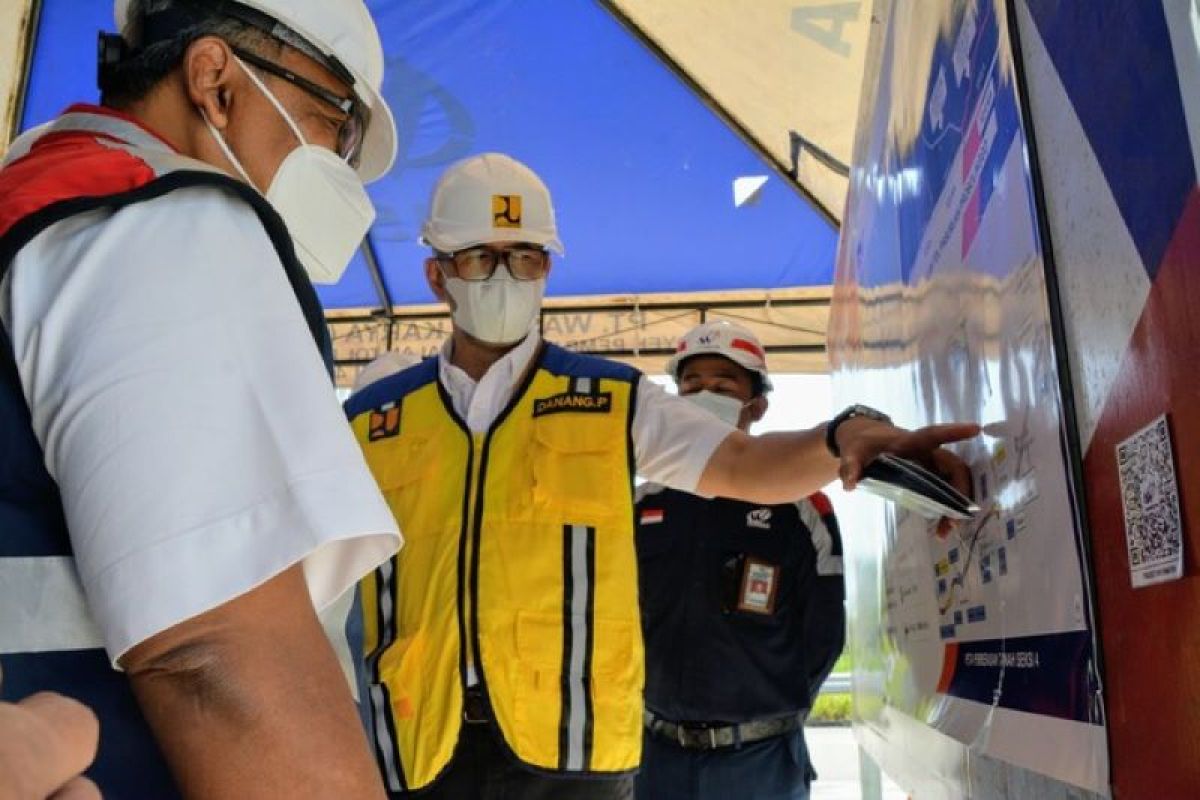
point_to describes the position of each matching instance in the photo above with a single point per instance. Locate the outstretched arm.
(780, 467)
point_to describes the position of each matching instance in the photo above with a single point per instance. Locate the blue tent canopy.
(640, 168)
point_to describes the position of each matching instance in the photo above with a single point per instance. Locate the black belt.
(699, 736)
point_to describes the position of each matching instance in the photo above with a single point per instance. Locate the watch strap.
(850, 412)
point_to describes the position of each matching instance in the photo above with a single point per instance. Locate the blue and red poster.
(943, 313)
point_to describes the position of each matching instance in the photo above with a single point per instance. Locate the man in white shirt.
(179, 492)
(503, 643)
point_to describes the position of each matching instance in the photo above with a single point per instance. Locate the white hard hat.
(489, 198)
(722, 338)
(344, 33)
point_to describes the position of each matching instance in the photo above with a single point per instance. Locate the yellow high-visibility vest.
(518, 559)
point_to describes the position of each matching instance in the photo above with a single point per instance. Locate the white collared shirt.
(672, 438)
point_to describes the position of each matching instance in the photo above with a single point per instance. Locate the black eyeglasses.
(524, 262)
(353, 130)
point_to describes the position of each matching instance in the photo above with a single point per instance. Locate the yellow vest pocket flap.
(400, 461)
(574, 468)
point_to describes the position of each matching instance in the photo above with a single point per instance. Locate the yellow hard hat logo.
(506, 210)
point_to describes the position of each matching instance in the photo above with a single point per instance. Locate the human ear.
(209, 76)
(437, 282)
(757, 407)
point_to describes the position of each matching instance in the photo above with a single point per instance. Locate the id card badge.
(760, 580)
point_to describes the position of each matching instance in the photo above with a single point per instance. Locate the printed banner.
(941, 297)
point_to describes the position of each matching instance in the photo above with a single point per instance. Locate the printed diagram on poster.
(1150, 497)
(989, 638)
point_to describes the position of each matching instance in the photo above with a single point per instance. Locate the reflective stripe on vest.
(519, 542)
(85, 161)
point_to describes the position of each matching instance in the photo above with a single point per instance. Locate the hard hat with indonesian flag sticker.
(722, 338)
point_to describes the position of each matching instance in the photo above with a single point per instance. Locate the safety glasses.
(352, 132)
(524, 262)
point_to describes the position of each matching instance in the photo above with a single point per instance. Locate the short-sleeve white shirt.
(185, 414)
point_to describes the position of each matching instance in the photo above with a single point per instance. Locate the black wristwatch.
(850, 412)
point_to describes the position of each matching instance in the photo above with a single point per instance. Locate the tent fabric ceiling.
(778, 67)
(642, 171)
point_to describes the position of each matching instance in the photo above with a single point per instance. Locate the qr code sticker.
(1150, 496)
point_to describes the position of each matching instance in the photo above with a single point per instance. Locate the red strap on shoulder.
(64, 166)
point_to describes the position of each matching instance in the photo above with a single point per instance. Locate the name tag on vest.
(573, 401)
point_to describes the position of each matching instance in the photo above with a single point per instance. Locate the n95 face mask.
(725, 408)
(319, 196)
(499, 310)
(325, 208)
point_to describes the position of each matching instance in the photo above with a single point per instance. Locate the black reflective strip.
(630, 450)
(568, 643)
(385, 614)
(383, 735)
(589, 715)
(579, 573)
(378, 700)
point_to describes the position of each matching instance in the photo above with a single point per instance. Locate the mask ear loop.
(226, 149)
(262, 87)
(224, 145)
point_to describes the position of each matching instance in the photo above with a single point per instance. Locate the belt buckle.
(474, 710)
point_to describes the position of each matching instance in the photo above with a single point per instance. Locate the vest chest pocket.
(579, 466)
(399, 466)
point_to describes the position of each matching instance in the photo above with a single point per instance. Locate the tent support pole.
(381, 290)
(29, 40)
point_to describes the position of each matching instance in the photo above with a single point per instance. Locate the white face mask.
(499, 310)
(721, 406)
(319, 196)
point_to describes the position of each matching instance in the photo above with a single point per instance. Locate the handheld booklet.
(910, 485)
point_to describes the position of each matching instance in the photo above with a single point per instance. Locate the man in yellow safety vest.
(503, 645)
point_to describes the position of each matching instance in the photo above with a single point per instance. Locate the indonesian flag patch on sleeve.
(651, 516)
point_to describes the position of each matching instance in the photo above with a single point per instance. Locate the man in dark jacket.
(742, 608)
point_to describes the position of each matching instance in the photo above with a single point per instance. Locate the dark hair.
(134, 76)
